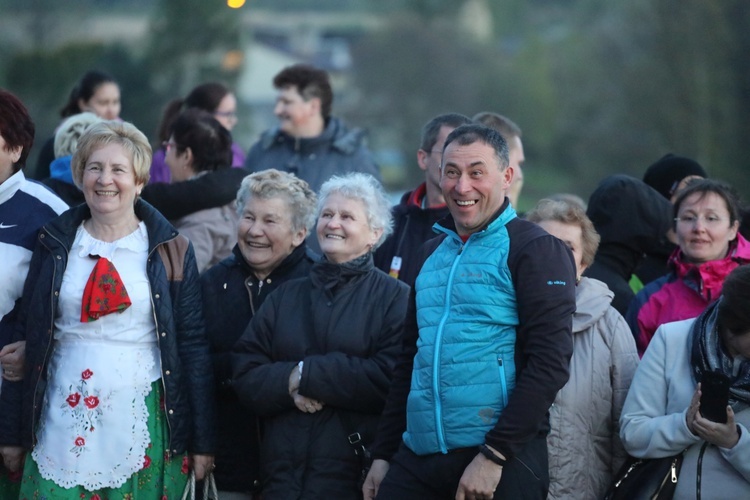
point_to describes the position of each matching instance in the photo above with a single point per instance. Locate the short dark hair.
(431, 129)
(16, 127)
(471, 133)
(734, 313)
(310, 82)
(210, 143)
(507, 127)
(85, 89)
(706, 186)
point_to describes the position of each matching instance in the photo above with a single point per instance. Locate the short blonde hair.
(567, 212)
(132, 140)
(272, 183)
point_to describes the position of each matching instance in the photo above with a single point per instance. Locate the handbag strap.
(209, 488)
(189, 493)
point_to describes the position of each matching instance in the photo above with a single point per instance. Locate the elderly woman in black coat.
(316, 360)
(276, 211)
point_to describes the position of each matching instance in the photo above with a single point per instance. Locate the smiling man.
(308, 142)
(487, 344)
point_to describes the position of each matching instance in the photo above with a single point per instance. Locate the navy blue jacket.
(176, 299)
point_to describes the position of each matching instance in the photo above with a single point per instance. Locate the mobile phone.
(714, 396)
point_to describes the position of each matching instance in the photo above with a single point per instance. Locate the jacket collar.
(504, 214)
(336, 133)
(64, 227)
(329, 275)
(291, 260)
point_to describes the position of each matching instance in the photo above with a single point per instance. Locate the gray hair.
(363, 187)
(272, 183)
(71, 130)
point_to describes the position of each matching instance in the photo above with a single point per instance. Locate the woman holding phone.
(663, 412)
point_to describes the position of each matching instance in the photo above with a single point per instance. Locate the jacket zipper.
(436, 354)
(503, 382)
(158, 343)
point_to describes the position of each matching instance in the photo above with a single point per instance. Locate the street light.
(235, 4)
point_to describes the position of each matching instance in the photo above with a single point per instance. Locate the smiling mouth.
(107, 193)
(466, 203)
(254, 244)
(334, 236)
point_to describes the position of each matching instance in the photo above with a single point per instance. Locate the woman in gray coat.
(584, 444)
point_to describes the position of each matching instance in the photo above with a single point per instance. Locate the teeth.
(462, 203)
(256, 245)
(335, 236)
(107, 193)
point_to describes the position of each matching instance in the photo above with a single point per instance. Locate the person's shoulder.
(41, 194)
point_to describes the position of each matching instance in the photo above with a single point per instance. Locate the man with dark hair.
(308, 141)
(487, 342)
(419, 209)
(512, 135)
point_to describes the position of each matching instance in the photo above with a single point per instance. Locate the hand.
(202, 465)
(378, 470)
(13, 457)
(479, 480)
(723, 435)
(692, 410)
(12, 359)
(294, 379)
(306, 405)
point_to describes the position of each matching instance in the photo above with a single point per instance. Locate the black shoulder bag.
(646, 478)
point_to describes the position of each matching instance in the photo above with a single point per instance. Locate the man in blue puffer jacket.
(486, 345)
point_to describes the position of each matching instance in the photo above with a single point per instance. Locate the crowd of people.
(175, 310)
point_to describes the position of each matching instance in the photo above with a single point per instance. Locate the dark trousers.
(436, 476)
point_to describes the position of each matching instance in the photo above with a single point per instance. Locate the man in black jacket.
(421, 208)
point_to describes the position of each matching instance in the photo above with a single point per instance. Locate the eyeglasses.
(167, 145)
(707, 220)
(232, 115)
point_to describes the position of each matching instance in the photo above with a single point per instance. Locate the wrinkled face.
(109, 185)
(473, 185)
(343, 230)
(429, 161)
(293, 112)
(105, 103)
(703, 228)
(226, 112)
(8, 156)
(516, 159)
(265, 234)
(571, 235)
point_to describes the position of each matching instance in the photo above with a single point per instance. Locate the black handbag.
(646, 478)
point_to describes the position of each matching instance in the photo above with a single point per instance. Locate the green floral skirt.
(160, 478)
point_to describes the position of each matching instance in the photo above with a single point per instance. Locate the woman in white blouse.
(117, 397)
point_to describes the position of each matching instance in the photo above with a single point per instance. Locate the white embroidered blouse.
(93, 431)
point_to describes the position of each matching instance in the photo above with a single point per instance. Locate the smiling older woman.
(316, 360)
(706, 223)
(276, 212)
(118, 380)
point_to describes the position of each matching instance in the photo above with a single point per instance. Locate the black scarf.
(708, 354)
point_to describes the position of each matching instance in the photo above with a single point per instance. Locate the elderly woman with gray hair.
(276, 211)
(315, 363)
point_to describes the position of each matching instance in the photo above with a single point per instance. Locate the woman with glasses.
(706, 223)
(199, 144)
(212, 97)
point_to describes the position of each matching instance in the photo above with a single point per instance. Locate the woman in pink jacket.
(706, 224)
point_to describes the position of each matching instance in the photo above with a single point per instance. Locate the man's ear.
(422, 159)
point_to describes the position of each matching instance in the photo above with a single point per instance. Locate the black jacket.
(176, 296)
(632, 219)
(344, 322)
(212, 189)
(412, 226)
(231, 296)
